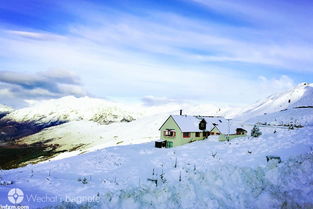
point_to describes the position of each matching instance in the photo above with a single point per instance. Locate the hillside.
(30, 120)
(48, 113)
(85, 136)
(294, 107)
(204, 174)
(83, 133)
(300, 96)
(4, 110)
(70, 126)
(70, 108)
(105, 112)
(288, 117)
(76, 137)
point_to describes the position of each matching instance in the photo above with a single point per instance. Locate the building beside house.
(182, 129)
(241, 131)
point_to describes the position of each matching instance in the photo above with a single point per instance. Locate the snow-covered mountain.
(4, 110)
(299, 97)
(70, 108)
(53, 112)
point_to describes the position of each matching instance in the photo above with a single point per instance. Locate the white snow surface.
(72, 109)
(91, 136)
(297, 116)
(188, 123)
(94, 136)
(301, 95)
(203, 174)
(5, 109)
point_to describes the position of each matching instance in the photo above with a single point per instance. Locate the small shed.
(241, 131)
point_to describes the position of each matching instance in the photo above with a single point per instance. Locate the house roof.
(188, 123)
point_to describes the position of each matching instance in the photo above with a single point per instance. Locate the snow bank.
(288, 185)
(285, 185)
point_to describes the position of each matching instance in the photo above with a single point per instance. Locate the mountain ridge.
(299, 96)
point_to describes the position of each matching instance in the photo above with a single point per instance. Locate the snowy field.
(204, 174)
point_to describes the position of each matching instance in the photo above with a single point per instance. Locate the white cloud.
(71, 89)
(17, 88)
(164, 55)
(154, 101)
(275, 85)
(129, 37)
(34, 35)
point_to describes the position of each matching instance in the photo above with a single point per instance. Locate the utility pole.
(228, 120)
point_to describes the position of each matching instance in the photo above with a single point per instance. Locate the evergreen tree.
(255, 132)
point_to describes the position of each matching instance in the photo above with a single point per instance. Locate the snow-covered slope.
(30, 120)
(203, 174)
(300, 96)
(292, 107)
(72, 109)
(85, 136)
(89, 135)
(288, 117)
(5, 110)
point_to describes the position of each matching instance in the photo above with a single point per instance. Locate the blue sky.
(200, 51)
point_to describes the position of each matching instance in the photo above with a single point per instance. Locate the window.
(169, 133)
(198, 134)
(186, 134)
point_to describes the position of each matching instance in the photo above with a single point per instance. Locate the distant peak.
(303, 84)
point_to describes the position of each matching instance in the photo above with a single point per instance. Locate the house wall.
(178, 139)
(170, 124)
(215, 131)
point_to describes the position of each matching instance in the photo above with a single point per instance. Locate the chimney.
(180, 112)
